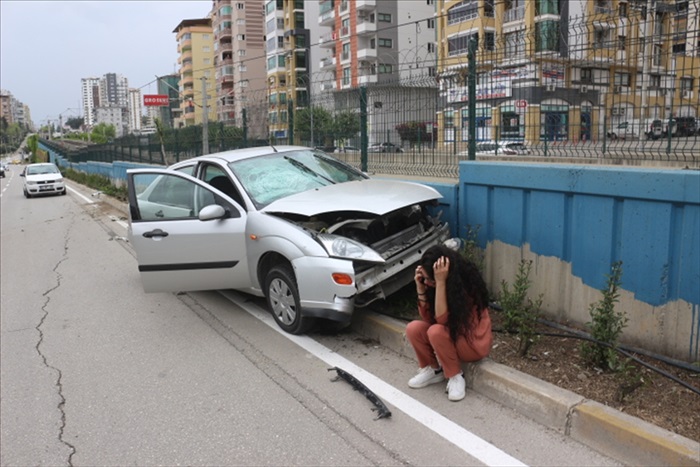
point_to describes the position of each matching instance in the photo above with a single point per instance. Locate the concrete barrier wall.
(574, 222)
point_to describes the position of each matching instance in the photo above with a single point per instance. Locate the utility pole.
(205, 118)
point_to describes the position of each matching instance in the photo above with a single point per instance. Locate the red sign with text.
(156, 100)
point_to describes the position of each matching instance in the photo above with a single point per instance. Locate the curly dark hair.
(466, 289)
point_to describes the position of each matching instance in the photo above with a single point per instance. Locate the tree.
(346, 124)
(101, 133)
(322, 124)
(74, 122)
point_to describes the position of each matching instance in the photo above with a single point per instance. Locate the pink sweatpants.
(434, 347)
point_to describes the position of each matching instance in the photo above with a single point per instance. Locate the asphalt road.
(96, 372)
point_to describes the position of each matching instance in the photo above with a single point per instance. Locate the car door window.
(168, 197)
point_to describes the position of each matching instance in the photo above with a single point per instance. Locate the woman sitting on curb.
(455, 325)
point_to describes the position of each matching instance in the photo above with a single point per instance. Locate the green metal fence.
(595, 88)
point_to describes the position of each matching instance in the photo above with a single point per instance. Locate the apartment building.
(239, 61)
(291, 29)
(90, 96)
(387, 46)
(168, 85)
(565, 69)
(14, 111)
(197, 86)
(135, 110)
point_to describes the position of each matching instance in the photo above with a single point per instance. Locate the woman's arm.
(441, 269)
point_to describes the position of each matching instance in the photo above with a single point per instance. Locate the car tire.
(27, 195)
(283, 300)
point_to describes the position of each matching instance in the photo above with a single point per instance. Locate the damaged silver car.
(313, 235)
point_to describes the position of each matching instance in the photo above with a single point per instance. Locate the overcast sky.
(46, 47)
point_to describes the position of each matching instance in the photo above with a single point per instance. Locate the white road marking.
(87, 200)
(452, 432)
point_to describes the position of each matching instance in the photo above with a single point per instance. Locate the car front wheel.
(283, 300)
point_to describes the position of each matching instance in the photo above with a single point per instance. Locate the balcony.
(327, 18)
(328, 40)
(327, 63)
(366, 53)
(515, 14)
(368, 5)
(328, 86)
(365, 26)
(224, 34)
(367, 79)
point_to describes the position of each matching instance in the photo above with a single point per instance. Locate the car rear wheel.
(283, 300)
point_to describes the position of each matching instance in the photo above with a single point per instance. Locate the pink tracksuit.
(431, 340)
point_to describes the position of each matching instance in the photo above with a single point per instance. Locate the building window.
(385, 43)
(240, 37)
(206, 48)
(206, 37)
(587, 75)
(385, 68)
(515, 44)
(383, 17)
(547, 36)
(658, 55)
(686, 84)
(623, 10)
(622, 79)
(431, 23)
(463, 11)
(654, 81)
(240, 6)
(225, 10)
(431, 47)
(346, 51)
(346, 76)
(621, 42)
(241, 53)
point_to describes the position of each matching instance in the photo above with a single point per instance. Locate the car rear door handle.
(155, 233)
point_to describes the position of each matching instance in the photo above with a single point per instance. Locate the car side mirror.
(22, 174)
(212, 212)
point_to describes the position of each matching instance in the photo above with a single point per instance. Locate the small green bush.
(606, 325)
(97, 182)
(520, 312)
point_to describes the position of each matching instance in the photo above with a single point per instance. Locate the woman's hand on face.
(418, 278)
(441, 268)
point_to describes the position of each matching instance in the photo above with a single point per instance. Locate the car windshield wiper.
(305, 168)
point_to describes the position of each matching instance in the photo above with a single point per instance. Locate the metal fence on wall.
(592, 88)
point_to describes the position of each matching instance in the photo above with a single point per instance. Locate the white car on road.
(43, 179)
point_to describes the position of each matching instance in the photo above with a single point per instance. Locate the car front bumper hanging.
(381, 409)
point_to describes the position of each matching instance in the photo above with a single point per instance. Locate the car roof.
(241, 154)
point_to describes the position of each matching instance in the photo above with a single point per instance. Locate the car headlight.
(31, 182)
(59, 180)
(341, 247)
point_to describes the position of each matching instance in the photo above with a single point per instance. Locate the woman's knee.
(438, 333)
(415, 329)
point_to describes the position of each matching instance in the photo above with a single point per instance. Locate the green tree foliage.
(74, 123)
(346, 125)
(11, 136)
(102, 132)
(520, 312)
(323, 128)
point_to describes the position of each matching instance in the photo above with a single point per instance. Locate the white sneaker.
(456, 388)
(425, 377)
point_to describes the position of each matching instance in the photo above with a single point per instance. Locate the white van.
(634, 129)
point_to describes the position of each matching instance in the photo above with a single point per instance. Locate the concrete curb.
(627, 439)
(620, 436)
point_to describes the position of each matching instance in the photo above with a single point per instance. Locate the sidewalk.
(627, 439)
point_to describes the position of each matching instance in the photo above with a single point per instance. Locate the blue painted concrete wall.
(591, 217)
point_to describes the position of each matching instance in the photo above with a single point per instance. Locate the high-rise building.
(90, 92)
(168, 85)
(240, 63)
(196, 48)
(135, 112)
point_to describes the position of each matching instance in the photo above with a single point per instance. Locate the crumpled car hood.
(373, 196)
